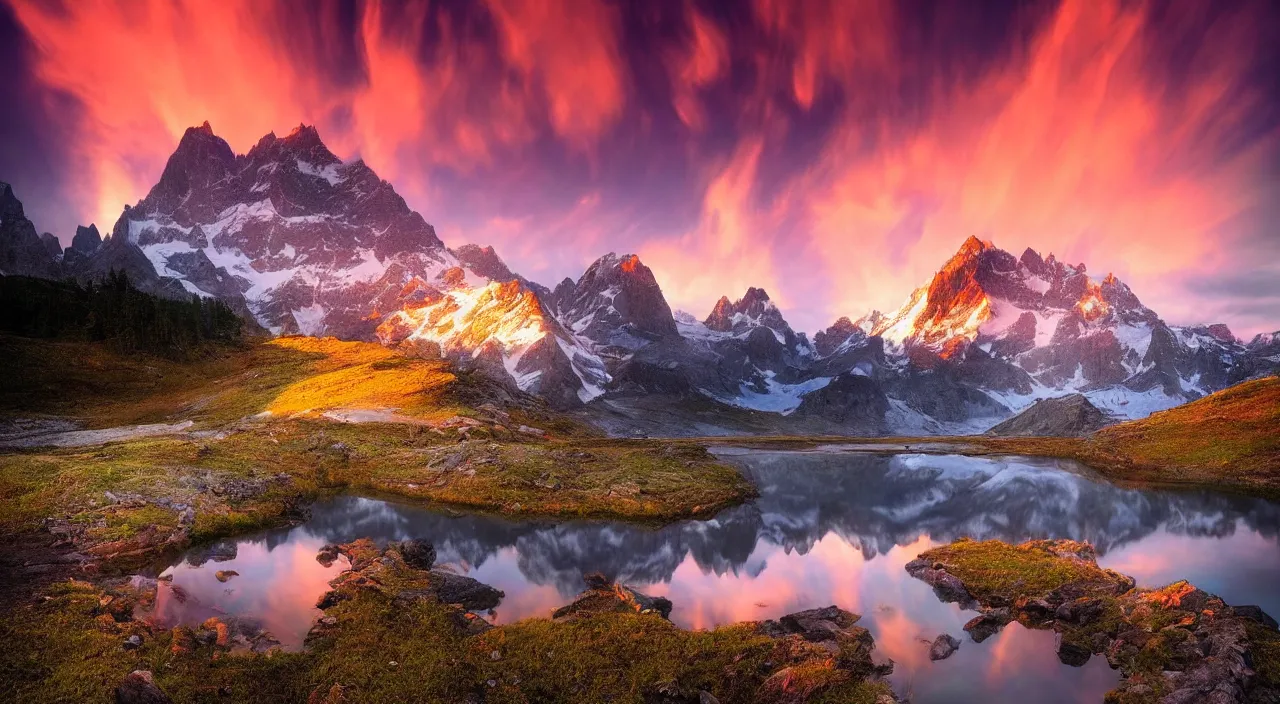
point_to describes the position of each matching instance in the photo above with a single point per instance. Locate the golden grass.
(287, 376)
(360, 375)
(1232, 433)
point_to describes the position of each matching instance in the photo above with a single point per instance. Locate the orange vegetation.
(1234, 433)
(361, 375)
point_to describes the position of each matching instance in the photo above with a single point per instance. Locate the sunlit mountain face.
(833, 154)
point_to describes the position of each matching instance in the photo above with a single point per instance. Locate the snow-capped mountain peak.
(616, 302)
(753, 310)
(1028, 327)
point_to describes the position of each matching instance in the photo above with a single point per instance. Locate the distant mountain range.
(301, 243)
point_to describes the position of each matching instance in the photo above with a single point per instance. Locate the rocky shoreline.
(1175, 645)
(807, 653)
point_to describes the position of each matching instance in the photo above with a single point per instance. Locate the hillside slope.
(1234, 433)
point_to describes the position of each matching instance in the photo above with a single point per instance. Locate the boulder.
(947, 586)
(1072, 653)
(138, 687)
(1255, 613)
(943, 646)
(418, 554)
(603, 596)
(472, 594)
(814, 625)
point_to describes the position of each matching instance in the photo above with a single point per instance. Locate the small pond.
(830, 527)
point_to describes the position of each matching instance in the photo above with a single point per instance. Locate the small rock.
(1039, 610)
(133, 642)
(985, 625)
(330, 599)
(1081, 612)
(530, 430)
(943, 646)
(138, 687)
(187, 516)
(1072, 653)
(224, 575)
(495, 655)
(705, 697)
(418, 554)
(327, 555)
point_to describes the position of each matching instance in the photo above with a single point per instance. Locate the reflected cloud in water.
(828, 528)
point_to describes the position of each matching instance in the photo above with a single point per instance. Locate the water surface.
(828, 528)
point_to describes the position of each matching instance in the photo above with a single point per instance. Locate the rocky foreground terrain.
(1177, 644)
(396, 628)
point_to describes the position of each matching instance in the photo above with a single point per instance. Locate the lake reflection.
(828, 528)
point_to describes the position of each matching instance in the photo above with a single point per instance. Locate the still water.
(830, 527)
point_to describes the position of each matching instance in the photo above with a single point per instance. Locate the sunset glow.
(833, 153)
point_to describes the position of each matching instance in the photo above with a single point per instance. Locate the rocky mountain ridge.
(303, 243)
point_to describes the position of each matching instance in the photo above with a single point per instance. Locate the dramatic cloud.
(834, 152)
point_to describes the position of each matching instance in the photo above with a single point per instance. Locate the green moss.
(127, 522)
(996, 569)
(1266, 654)
(383, 651)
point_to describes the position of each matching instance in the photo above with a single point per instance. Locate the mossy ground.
(490, 465)
(64, 648)
(992, 568)
(640, 481)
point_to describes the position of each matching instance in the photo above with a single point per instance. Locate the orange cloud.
(849, 149)
(704, 61)
(730, 248)
(1074, 147)
(834, 42)
(569, 51)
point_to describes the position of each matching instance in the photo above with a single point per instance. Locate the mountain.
(1024, 328)
(506, 329)
(616, 303)
(300, 242)
(1064, 416)
(21, 249)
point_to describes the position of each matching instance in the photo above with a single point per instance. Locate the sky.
(832, 152)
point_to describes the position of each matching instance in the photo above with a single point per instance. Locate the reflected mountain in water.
(875, 502)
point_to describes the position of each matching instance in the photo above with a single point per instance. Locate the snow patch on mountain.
(777, 398)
